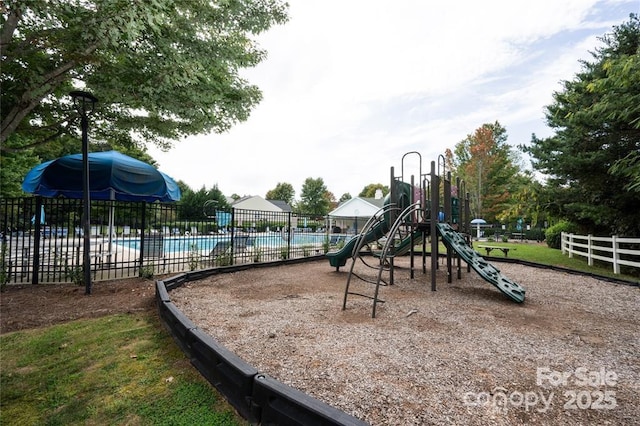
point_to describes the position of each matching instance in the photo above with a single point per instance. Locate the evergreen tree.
(592, 161)
(193, 203)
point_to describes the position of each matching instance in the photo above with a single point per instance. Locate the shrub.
(325, 244)
(535, 234)
(553, 234)
(225, 259)
(147, 271)
(75, 274)
(194, 257)
(284, 253)
(257, 254)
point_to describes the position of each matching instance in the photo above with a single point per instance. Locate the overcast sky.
(351, 86)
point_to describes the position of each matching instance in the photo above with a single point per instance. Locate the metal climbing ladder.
(402, 237)
(376, 221)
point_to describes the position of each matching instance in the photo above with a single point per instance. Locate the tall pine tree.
(592, 161)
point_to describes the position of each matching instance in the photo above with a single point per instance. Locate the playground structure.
(410, 215)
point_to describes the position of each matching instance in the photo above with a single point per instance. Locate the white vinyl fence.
(614, 250)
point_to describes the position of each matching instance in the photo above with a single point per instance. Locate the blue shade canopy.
(112, 176)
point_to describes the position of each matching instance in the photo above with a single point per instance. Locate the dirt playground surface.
(464, 354)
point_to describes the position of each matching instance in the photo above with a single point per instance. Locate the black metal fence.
(42, 239)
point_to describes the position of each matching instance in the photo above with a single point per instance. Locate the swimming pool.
(206, 243)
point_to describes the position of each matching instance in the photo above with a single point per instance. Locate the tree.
(13, 168)
(314, 197)
(629, 168)
(331, 199)
(346, 196)
(489, 166)
(283, 192)
(623, 79)
(192, 203)
(161, 70)
(592, 161)
(369, 191)
(527, 201)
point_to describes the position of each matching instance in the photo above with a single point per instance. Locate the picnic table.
(505, 250)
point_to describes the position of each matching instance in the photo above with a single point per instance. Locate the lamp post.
(84, 103)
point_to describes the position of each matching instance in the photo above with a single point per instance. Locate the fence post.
(563, 236)
(615, 254)
(570, 245)
(233, 233)
(37, 234)
(143, 225)
(589, 251)
(289, 235)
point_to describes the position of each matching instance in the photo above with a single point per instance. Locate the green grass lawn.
(119, 369)
(541, 253)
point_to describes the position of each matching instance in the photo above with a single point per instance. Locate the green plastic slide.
(490, 273)
(339, 258)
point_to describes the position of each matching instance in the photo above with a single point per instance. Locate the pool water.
(206, 243)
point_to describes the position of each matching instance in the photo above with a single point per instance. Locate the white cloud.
(351, 86)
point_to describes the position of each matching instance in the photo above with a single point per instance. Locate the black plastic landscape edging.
(563, 269)
(257, 397)
(283, 405)
(227, 372)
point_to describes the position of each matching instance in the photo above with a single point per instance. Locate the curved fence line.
(41, 240)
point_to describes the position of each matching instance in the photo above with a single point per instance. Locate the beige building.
(255, 202)
(250, 210)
